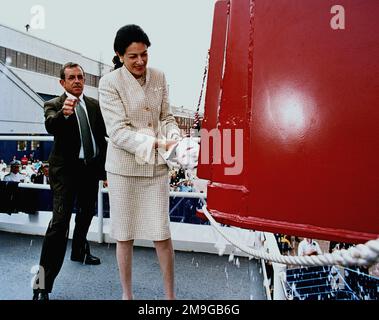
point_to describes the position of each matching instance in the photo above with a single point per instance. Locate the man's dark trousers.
(69, 184)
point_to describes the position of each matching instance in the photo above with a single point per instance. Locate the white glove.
(187, 153)
(184, 154)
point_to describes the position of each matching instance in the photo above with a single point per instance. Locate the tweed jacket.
(134, 117)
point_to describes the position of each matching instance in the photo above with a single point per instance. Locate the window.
(22, 145)
(93, 80)
(41, 65)
(90, 81)
(31, 63)
(34, 145)
(86, 82)
(35, 64)
(21, 60)
(50, 68)
(90, 78)
(57, 70)
(11, 56)
(2, 54)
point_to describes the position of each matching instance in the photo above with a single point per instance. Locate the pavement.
(198, 276)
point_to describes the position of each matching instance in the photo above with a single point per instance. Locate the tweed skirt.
(139, 206)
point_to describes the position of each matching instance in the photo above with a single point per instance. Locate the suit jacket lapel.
(147, 77)
(132, 86)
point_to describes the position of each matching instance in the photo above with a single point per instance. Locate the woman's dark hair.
(125, 37)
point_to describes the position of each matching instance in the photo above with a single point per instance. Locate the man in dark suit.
(76, 164)
(42, 176)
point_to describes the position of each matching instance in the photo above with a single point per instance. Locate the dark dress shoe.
(39, 294)
(87, 259)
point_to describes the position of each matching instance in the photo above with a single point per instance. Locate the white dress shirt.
(308, 248)
(14, 177)
(81, 101)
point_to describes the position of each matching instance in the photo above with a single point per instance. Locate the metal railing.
(100, 201)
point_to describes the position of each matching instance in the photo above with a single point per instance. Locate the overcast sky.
(179, 30)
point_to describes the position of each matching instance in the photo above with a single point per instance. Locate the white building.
(29, 75)
(38, 62)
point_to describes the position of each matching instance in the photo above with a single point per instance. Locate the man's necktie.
(85, 132)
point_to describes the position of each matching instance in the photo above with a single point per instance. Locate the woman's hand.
(164, 144)
(170, 143)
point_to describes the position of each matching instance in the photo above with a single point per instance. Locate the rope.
(361, 255)
(203, 83)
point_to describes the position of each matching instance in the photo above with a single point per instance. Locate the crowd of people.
(305, 247)
(29, 170)
(181, 180)
(25, 170)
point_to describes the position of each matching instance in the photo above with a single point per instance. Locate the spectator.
(37, 164)
(24, 173)
(24, 160)
(2, 164)
(30, 169)
(174, 180)
(284, 244)
(308, 247)
(42, 176)
(14, 175)
(185, 186)
(181, 174)
(3, 173)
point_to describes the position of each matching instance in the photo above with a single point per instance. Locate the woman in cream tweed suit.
(139, 123)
